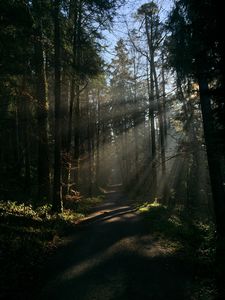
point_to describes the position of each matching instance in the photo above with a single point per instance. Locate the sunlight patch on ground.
(97, 259)
(147, 206)
(113, 220)
(158, 248)
(151, 246)
(144, 246)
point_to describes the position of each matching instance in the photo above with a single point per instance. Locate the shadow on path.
(115, 256)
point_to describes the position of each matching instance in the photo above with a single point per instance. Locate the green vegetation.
(28, 236)
(188, 236)
(78, 118)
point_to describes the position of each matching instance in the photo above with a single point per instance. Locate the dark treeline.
(49, 52)
(72, 124)
(79, 119)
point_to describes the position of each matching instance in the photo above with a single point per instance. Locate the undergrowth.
(192, 239)
(28, 236)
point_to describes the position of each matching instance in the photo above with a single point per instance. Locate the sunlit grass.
(190, 238)
(146, 207)
(23, 226)
(81, 206)
(28, 236)
(193, 238)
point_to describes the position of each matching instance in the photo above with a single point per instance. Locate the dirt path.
(114, 256)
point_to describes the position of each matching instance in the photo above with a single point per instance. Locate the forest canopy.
(115, 97)
(67, 118)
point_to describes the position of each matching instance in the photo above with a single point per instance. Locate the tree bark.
(215, 171)
(42, 112)
(164, 97)
(57, 205)
(160, 117)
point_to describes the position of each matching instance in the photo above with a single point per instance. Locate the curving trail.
(113, 255)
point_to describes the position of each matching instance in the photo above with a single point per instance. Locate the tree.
(195, 49)
(120, 89)
(42, 105)
(15, 32)
(150, 13)
(57, 188)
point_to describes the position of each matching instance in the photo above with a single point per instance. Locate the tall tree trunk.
(151, 85)
(66, 163)
(57, 189)
(89, 144)
(215, 171)
(136, 116)
(70, 120)
(98, 138)
(26, 133)
(149, 33)
(217, 183)
(160, 117)
(77, 136)
(151, 114)
(164, 97)
(77, 92)
(42, 111)
(65, 109)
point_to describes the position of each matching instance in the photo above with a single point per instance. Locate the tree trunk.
(98, 139)
(164, 97)
(136, 116)
(42, 112)
(149, 33)
(215, 171)
(160, 117)
(151, 85)
(89, 144)
(57, 189)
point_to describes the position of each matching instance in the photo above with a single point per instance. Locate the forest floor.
(123, 249)
(122, 252)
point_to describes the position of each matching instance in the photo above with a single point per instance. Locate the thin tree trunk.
(151, 115)
(136, 115)
(149, 33)
(89, 148)
(57, 189)
(26, 106)
(151, 86)
(42, 112)
(160, 117)
(98, 138)
(164, 97)
(70, 120)
(77, 136)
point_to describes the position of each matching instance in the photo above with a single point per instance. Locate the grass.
(28, 236)
(191, 238)
(86, 204)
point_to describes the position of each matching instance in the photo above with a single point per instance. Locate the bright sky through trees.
(112, 149)
(123, 19)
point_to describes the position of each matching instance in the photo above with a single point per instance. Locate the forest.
(112, 149)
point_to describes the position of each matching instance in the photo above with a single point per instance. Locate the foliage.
(28, 236)
(193, 239)
(196, 50)
(82, 204)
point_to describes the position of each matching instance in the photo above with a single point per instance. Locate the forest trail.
(114, 204)
(113, 255)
